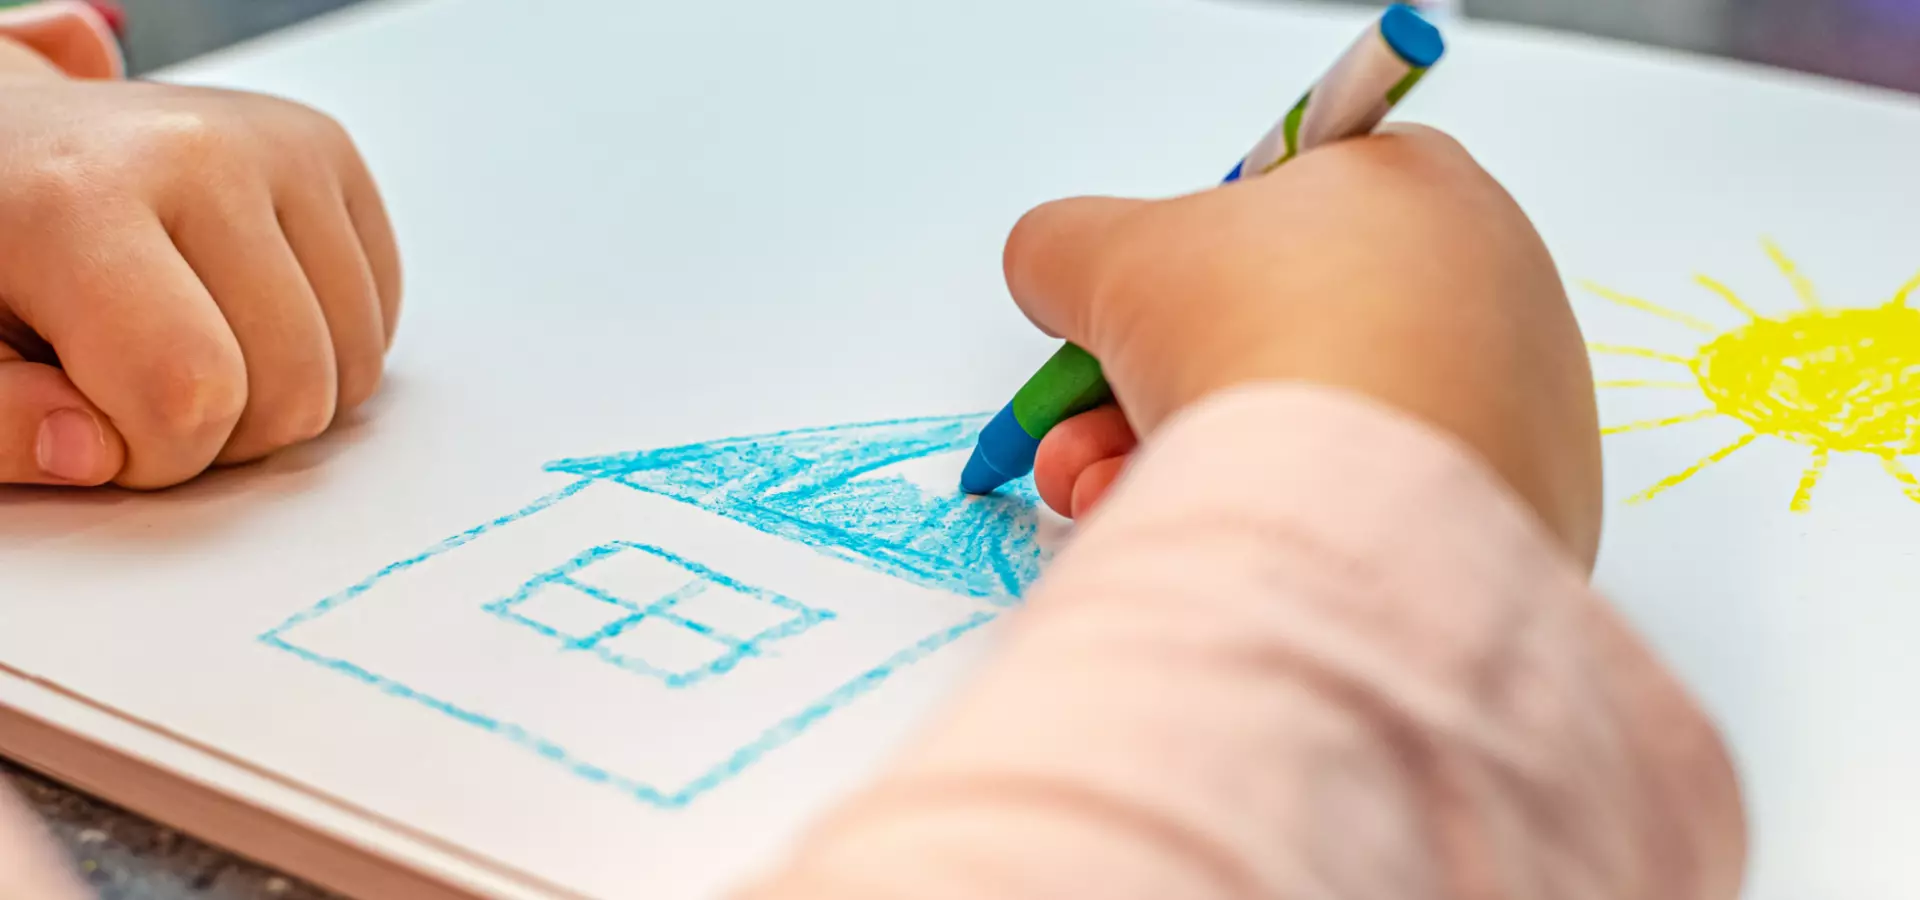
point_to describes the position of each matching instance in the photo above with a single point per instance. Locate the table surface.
(125, 856)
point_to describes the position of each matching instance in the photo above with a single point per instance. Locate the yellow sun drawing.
(1834, 380)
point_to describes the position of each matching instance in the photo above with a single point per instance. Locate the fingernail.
(71, 445)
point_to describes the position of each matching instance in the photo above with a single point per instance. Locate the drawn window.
(646, 610)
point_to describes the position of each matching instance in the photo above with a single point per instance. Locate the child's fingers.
(1072, 447)
(328, 248)
(233, 239)
(1093, 484)
(135, 330)
(49, 432)
(1053, 260)
(68, 33)
(369, 216)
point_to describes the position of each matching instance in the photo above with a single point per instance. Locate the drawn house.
(741, 590)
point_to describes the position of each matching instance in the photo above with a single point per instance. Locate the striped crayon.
(1388, 59)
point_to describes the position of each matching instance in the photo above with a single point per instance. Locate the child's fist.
(1391, 266)
(187, 277)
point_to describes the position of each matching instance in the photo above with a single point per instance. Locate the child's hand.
(187, 277)
(1391, 266)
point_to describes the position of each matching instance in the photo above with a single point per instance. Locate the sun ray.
(1906, 290)
(1642, 352)
(1648, 424)
(1645, 383)
(1801, 285)
(1908, 483)
(1803, 495)
(1690, 471)
(1648, 306)
(1727, 294)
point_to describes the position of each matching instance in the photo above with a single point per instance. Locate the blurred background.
(1870, 41)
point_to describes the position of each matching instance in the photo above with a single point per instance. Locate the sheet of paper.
(648, 551)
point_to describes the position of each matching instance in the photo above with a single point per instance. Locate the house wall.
(612, 598)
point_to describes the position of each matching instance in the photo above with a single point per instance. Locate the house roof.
(842, 491)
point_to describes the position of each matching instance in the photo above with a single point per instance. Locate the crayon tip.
(980, 477)
(1005, 452)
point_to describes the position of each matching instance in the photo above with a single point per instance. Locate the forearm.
(1309, 649)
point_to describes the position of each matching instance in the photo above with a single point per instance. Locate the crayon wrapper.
(1069, 384)
(1353, 97)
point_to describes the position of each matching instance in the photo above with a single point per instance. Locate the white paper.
(639, 226)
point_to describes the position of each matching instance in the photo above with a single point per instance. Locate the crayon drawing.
(653, 583)
(1832, 379)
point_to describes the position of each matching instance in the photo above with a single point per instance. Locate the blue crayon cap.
(1411, 36)
(1005, 452)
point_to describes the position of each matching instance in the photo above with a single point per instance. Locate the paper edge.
(254, 813)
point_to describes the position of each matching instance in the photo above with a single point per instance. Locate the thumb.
(49, 433)
(1057, 255)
